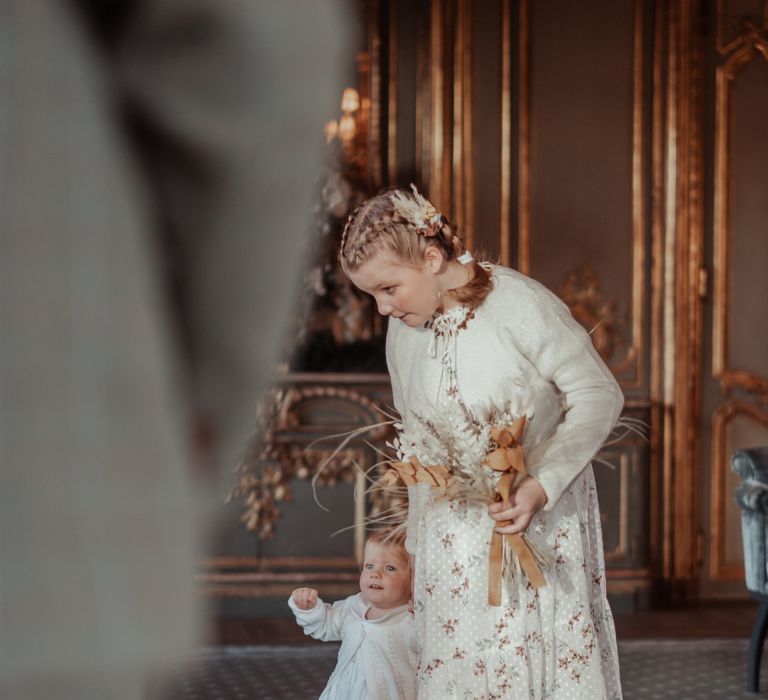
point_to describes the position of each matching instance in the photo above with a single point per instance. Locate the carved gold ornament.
(275, 457)
(581, 292)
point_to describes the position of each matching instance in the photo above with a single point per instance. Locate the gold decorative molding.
(278, 577)
(581, 292)
(463, 171)
(524, 139)
(724, 45)
(374, 95)
(506, 132)
(250, 577)
(434, 130)
(724, 415)
(277, 563)
(275, 590)
(639, 573)
(621, 550)
(657, 281)
(438, 183)
(639, 580)
(422, 127)
(635, 354)
(666, 82)
(684, 233)
(444, 108)
(744, 49)
(392, 102)
(689, 258)
(282, 449)
(747, 381)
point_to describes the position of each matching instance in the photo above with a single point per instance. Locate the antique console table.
(278, 538)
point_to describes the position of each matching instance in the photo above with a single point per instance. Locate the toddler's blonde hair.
(391, 539)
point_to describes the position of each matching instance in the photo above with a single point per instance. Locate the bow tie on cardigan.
(445, 325)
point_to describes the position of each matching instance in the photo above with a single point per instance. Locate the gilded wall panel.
(740, 210)
(590, 133)
(486, 124)
(747, 326)
(740, 302)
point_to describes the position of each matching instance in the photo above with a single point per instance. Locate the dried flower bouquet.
(465, 458)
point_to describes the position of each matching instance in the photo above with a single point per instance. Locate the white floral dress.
(523, 351)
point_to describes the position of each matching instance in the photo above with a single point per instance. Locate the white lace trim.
(445, 328)
(445, 325)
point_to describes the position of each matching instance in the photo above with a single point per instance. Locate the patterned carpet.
(651, 670)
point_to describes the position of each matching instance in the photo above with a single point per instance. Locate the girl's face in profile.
(385, 580)
(411, 294)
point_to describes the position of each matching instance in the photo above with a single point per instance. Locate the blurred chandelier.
(349, 133)
(345, 128)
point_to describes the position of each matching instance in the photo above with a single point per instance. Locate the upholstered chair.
(752, 497)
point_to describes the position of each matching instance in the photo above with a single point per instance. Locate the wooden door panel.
(734, 405)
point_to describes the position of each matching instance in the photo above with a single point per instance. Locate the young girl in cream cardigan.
(490, 372)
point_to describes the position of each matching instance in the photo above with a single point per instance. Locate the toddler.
(377, 659)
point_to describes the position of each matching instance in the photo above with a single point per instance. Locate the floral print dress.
(521, 351)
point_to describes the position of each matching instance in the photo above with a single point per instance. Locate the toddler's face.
(385, 580)
(410, 294)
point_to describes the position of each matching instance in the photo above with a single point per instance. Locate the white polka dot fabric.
(557, 642)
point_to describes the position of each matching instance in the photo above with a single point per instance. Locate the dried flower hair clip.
(419, 211)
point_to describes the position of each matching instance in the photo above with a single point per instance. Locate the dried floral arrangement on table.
(272, 460)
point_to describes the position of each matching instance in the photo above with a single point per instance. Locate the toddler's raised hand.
(305, 598)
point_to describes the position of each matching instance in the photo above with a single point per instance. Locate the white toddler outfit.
(377, 659)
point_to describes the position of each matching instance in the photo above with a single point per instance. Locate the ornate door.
(734, 280)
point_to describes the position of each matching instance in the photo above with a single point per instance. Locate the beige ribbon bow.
(509, 458)
(413, 472)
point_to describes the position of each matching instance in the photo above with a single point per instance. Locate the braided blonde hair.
(404, 223)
